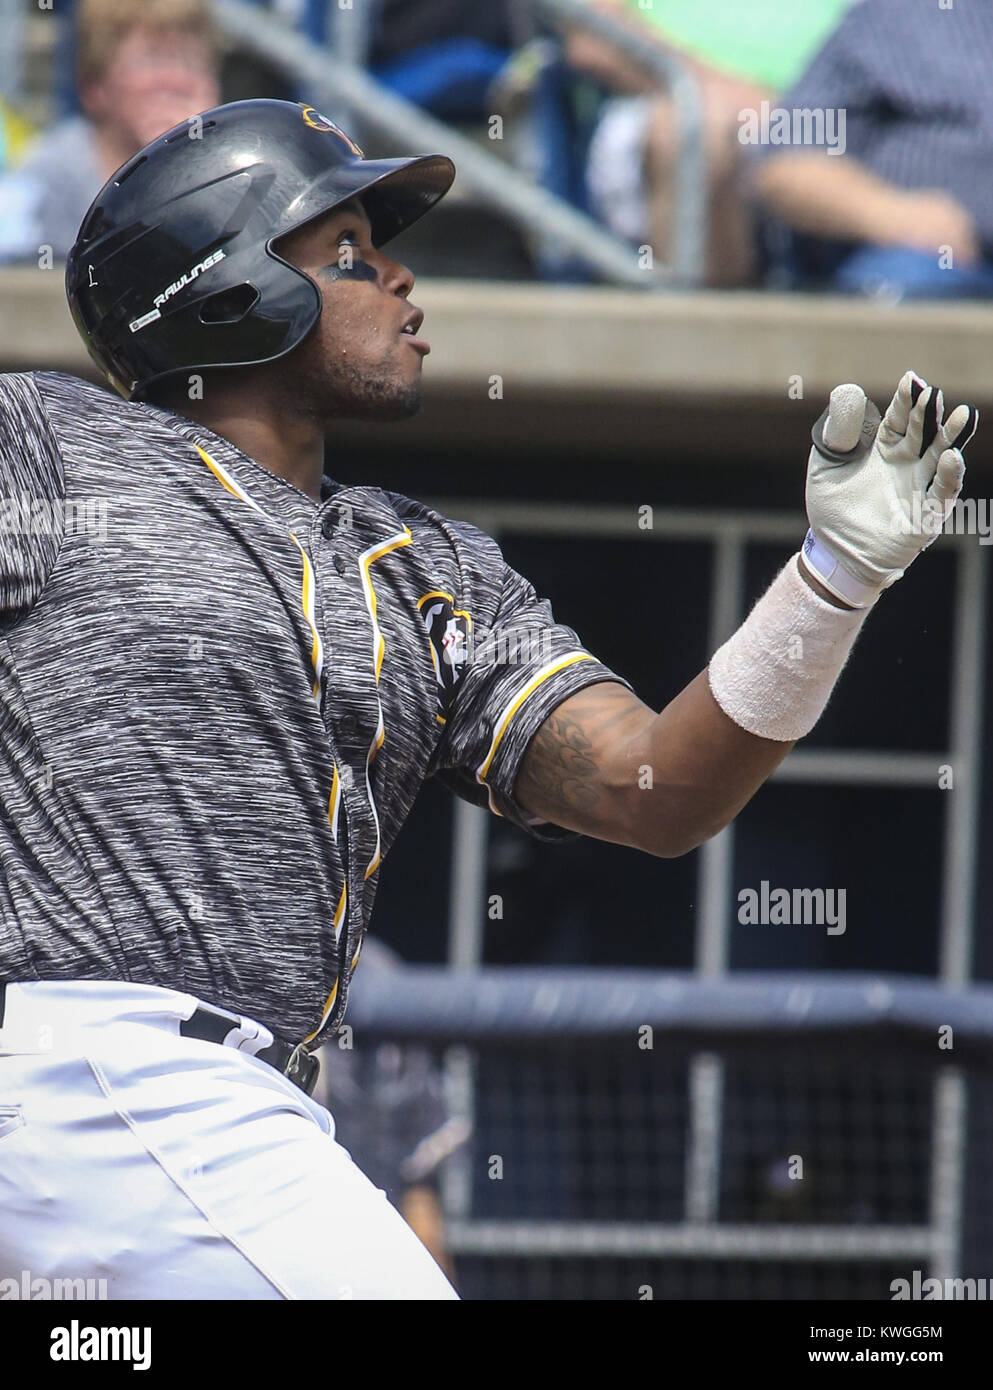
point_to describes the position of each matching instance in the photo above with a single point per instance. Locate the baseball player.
(224, 676)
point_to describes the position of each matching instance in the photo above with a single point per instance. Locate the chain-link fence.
(849, 1145)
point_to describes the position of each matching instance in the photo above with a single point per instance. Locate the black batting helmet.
(174, 269)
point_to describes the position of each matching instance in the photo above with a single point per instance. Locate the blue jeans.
(901, 272)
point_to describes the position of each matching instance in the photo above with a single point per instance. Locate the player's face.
(362, 360)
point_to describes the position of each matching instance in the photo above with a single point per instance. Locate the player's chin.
(389, 400)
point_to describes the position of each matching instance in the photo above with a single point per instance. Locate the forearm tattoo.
(561, 770)
(558, 769)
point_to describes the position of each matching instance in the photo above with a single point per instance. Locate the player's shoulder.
(22, 409)
(467, 540)
(44, 390)
(83, 425)
(460, 557)
(29, 452)
(91, 416)
(61, 387)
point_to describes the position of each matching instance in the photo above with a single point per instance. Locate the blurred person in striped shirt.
(740, 55)
(906, 209)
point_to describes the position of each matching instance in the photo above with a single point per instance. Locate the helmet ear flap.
(229, 306)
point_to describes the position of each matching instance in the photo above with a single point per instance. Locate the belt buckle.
(303, 1069)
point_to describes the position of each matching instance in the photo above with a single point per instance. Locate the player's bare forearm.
(607, 765)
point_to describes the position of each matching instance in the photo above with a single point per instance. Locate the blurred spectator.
(15, 135)
(907, 209)
(740, 55)
(389, 1113)
(442, 54)
(142, 66)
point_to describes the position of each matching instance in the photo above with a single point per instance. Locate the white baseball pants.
(178, 1169)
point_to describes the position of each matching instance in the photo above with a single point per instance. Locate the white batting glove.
(879, 491)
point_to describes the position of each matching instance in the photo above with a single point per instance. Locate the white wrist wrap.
(774, 676)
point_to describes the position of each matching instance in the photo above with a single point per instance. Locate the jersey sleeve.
(512, 664)
(32, 495)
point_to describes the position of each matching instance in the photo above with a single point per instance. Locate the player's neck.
(287, 444)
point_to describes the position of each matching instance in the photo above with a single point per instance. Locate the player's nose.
(395, 278)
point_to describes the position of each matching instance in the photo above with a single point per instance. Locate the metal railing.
(689, 215)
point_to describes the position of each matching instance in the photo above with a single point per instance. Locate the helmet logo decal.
(318, 122)
(187, 278)
(145, 319)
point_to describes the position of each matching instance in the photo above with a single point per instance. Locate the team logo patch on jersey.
(318, 122)
(448, 630)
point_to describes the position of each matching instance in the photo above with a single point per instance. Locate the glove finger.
(947, 482)
(846, 412)
(933, 413)
(920, 419)
(897, 415)
(960, 426)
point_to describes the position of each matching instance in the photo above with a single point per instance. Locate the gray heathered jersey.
(218, 699)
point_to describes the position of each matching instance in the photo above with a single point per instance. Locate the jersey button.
(328, 526)
(339, 563)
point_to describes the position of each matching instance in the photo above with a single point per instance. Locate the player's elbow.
(663, 831)
(673, 846)
(672, 838)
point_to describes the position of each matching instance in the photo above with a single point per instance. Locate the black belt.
(213, 1025)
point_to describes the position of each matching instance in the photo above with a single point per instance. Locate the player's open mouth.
(409, 331)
